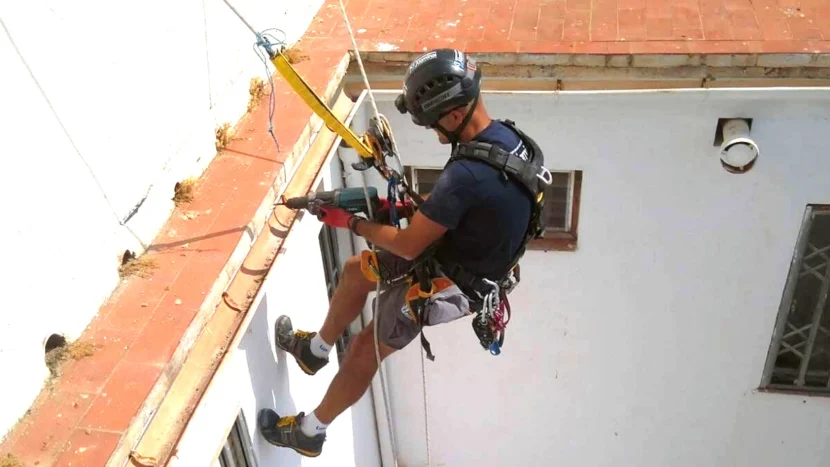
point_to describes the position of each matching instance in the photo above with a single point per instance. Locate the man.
(480, 216)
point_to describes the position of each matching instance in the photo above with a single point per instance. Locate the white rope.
(381, 119)
(359, 60)
(426, 415)
(388, 411)
(242, 18)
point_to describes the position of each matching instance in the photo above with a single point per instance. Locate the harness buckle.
(510, 281)
(545, 175)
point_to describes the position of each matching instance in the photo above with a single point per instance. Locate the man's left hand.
(335, 217)
(399, 205)
(403, 209)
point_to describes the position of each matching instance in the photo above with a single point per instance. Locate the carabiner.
(495, 348)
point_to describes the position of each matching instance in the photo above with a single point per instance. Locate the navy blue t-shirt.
(486, 215)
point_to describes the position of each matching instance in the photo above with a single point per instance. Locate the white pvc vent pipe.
(738, 151)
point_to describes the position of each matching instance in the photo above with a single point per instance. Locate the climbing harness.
(435, 84)
(492, 306)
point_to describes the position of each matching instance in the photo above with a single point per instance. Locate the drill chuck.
(300, 202)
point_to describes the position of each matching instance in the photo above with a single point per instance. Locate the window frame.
(410, 172)
(564, 239)
(785, 307)
(329, 253)
(238, 450)
(555, 238)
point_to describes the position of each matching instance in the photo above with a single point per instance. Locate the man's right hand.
(334, 217)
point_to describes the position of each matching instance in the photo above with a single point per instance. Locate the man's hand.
(403, 209)
(406, 243)
(334, 217)
(385, 204)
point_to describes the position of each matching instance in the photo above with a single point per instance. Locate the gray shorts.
(395, 328)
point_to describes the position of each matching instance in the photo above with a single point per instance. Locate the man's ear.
(462, 112)
(457, 117)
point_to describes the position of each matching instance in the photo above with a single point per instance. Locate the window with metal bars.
(562, 200)
(237, 451)
(331, 269)
(799, 354)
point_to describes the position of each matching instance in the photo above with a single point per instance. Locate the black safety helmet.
(436, 83)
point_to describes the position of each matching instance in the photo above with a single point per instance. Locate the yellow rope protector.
(318, 106)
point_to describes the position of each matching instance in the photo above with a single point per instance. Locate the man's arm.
(406, 243)
(453, 194)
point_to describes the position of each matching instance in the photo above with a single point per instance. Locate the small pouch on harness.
(444, 303)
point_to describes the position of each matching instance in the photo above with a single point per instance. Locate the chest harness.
(431, 272)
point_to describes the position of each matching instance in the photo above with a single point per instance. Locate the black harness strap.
(422, 274)
(500, 159)
(469, 283)
(423, 271)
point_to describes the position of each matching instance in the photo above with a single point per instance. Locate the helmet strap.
(453, 136)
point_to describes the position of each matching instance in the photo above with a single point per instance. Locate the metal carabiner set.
(490, 323)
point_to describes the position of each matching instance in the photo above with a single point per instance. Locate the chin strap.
(454, 135)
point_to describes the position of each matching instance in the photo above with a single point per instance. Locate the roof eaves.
(154, 433)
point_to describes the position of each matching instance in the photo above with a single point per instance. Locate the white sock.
(319, 347)
(311, 426)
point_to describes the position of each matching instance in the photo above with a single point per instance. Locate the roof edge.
(165, 412)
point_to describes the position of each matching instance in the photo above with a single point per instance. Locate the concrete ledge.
(619, 72)
(645, 60)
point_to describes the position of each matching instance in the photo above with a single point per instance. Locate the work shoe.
(298, 344)
(285, 432)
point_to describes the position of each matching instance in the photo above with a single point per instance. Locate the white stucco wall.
(255, 376)
(105, 106)
(644, 347)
